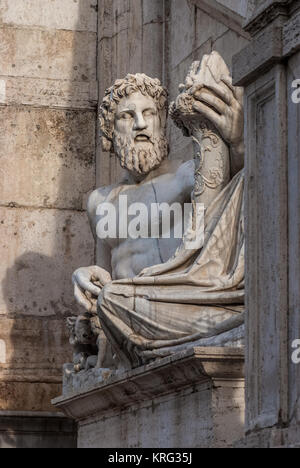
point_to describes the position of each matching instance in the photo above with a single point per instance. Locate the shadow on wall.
(49, 241)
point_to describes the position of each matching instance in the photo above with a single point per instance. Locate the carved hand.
(88, 282)
(222, 104)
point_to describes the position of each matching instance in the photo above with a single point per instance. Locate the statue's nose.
(139, 122)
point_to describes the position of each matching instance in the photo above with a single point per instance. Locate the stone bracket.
(276, 37)
(259, 56)
(264, 12)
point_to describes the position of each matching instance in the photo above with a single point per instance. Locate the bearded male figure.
(154, 296)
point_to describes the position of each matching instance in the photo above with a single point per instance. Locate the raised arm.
(222, 104)
(209, 109)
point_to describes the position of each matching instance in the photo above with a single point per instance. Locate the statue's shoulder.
(98, 196)
(185, 171)
(178, 166)
(178, 172)
(186, 166)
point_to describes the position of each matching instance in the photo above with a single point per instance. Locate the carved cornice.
(276, 36)
(162, 377)
(267, 12)
(259, 56)
(291, 36)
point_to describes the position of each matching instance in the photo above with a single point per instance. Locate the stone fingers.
(208, 113)
(238, 93)
(220, 91)
(217, 104)
(83, 280)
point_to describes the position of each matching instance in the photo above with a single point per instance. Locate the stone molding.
(259, 56)
(263, 13)
(162, 377)
(276, 37)
(291, 36)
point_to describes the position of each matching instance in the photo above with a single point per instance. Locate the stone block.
(48, 54)
(35, 351)
(36, 348)
(114, 17)
(238, 6)
(73, 15)
(36, 430)
(152, 40)
(48, 93)
(39, 251)
(191, 399)
(27, 396)
(2, 352)
(207, 27)
(258, 57)
(181, 31)
(47, 156)
(228, 45)
(153, 12)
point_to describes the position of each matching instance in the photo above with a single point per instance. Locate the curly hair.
(124, 88)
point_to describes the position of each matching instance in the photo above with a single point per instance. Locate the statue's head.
(80, 330)
(133, 118)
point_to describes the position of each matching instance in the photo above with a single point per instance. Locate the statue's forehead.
(135, 102)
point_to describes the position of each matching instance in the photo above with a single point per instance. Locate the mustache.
(144, 133)
(137, 159)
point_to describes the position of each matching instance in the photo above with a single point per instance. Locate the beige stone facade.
(48, 118)
(56, 59)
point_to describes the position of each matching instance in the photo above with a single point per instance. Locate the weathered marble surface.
(143, 286)
(192, 399)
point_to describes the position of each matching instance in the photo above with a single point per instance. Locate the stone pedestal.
(192, 399)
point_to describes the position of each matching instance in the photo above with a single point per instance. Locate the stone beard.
(137, 158)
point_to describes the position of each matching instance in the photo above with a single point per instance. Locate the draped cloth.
(196, 295)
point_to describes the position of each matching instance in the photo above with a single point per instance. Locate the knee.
(105, 297)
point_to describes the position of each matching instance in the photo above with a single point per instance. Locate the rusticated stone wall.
(195, 28)
(48, 97)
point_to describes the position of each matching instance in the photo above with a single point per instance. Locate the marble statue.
(149, 297)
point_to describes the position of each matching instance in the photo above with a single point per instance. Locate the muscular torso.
(172, 183)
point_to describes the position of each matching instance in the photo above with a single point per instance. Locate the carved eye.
(149, 112)
(126, 116)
